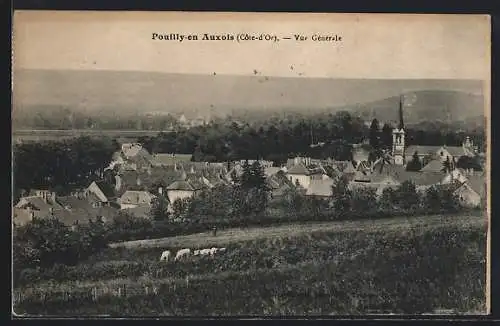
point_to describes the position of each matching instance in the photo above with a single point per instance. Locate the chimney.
(160, 190)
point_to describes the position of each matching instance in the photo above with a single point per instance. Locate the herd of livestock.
(184, 253)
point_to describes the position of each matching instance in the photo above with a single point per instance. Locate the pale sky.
(372, 46)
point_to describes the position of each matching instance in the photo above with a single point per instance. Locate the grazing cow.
(221, 250)
(196, 252)
(165, 255)
(182, 253)
(205, 252)
(213, 250)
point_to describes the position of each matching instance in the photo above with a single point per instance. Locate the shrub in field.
(46, 242)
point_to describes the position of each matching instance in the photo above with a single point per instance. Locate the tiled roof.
(170, 159)
(36, 203)
(271, 170)
(422, 150)
(184, 185)
(456, 150)
(478, 183)
(20, 216)
(360, 176)
(349, 168)
(299, 169)
(433, 166)
(387, 169)
(107, 189)
(420, 178)
(360, 154)
(197, 181)
(80, 209)
(136, 197)
(320, 188)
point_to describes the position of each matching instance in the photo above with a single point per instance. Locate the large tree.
(414, 164)
(374, 134)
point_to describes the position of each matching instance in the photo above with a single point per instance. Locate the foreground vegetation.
(402, 270)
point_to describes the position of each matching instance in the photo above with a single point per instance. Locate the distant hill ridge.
(113, 92)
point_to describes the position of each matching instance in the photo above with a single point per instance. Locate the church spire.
(401, 124)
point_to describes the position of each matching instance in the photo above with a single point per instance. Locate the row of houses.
(135, 179)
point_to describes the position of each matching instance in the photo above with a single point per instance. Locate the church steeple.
(398, 138)
(401, 123)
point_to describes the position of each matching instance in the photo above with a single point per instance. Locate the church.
(402, 154)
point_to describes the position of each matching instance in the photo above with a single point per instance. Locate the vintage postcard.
(250, 164)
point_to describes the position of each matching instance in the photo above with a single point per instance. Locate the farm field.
(225, 237)
(410, 265)
(51, 135)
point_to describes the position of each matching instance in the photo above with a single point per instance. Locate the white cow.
(182, 253)
(221, 250)
(166, 255)
(213, 251)
(196, 252)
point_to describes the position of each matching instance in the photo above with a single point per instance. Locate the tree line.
(276, 140)
(60, 166)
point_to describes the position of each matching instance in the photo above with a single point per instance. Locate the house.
(162, 159)
(79, 209)
(455, 175)
(182, 189)
(148, 179)
(131, 199)
(361, 177)
(299, 174)
(291, 162)
(320, 188)
(360, 153)
(279, 184)
(438, 152)
(467, 196)
(102, 190)
(269, 171)
(237, 170)
(41, 205)
(136, 154)
(421, 180)
(433, 166)
(21, 216)
(478, 183)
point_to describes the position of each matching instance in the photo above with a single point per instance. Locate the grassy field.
(225, 237)
(411, 265)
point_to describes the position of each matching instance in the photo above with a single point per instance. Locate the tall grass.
(321, 273)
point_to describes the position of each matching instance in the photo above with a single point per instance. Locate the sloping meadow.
(343, 272)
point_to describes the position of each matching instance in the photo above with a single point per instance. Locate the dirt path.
(238, 234)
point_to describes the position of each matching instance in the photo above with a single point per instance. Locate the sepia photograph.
(169, 164)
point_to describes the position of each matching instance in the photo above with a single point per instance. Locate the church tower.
(398, 138)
